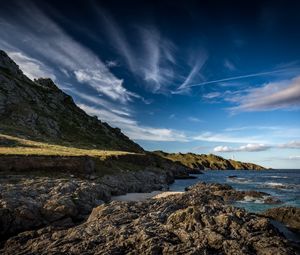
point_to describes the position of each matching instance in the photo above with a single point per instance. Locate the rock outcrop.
(230, 195)
(208, 162)
(29, 203)
(289, 216)
(195, 222)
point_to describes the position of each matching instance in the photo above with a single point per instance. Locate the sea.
(282, 184)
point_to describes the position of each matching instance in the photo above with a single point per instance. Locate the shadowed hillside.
(39, 110)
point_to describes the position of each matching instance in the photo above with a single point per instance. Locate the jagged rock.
(28, 203)
(290, 216)
(229, 194)
(195, 222)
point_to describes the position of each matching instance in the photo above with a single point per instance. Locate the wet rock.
(229, 194)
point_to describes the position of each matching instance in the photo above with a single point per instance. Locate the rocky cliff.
(39, 110)
(210, 161)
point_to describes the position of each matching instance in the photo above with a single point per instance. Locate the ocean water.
(282, 184)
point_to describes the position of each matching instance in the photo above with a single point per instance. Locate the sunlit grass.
(10, 145)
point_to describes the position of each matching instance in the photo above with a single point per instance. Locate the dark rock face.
(290, 216)
(78, 165)
(195, 222)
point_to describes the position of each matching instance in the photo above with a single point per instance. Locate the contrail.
(237, 77)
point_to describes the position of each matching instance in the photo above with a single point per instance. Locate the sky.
(218, 77)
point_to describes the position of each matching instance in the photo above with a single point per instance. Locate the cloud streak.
(220, 137)
(133, 129)
(34, 33)
(198, 65)
(31, 67)
(152, 60)
(272, 96)
(241, 77)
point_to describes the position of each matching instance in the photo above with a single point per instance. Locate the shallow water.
(282, 184)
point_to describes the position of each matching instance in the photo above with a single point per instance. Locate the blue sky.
(217, 77)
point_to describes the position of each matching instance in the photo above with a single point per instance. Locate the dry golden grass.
(10, 145)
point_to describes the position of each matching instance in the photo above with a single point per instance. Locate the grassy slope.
(10, 145)
(106, 162)
(210, 161)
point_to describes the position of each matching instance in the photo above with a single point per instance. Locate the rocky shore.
(198, 221)
(32, 202)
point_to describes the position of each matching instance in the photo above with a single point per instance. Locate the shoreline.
(144, 196)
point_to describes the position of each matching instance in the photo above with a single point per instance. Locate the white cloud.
(152, 61)
(111, 63)
(155, 134)
(198, 64)
(290, 145)
(294, 157)
(272, 96)
(229, 65)
(31, 67)
(157, 52)
(245, 148)
(211, 95)
(220, 137)
(132, 128)
(99, 101)
(194, 119)
(224, 81)
(36, 34)
(105, 115)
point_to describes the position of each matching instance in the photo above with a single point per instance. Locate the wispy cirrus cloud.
(228, 138)
(133, 129)
(31, 67)
(196, 65)
(271, 96)
(100, 102)
(229, 65)
(194, 119)
(212, 95)
(251, 75)
(32, 32)
(151, 61)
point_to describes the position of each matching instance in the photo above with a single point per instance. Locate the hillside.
(39, 119)
(39, 110)
(210, 161)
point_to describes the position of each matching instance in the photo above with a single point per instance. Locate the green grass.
(10, 145)
(106, 161)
